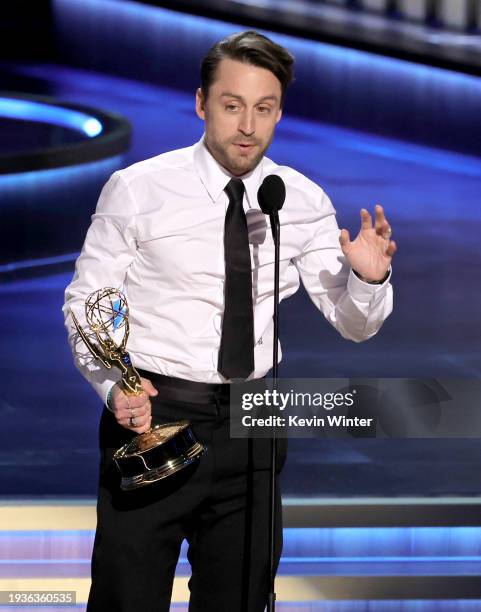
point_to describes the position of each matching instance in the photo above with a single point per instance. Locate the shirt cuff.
(103, 388)
(364, 292)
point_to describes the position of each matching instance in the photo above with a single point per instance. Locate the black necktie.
(236, 356)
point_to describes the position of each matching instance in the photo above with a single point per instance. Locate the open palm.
(371, 252)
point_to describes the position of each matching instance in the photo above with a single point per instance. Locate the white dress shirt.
(157, 234)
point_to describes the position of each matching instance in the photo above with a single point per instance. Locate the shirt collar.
(215, 178)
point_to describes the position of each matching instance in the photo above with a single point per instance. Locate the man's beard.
(237, 165)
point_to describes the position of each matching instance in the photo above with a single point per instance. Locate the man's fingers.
(127, 409)
(148, 387)
(136, 412)
(344, 238)
(141, 430)
(366, 220)
(379, 212)
(382, 224)
(384, 230)
(136, 401)
(137, 424)
(391, 249)
(380, 220)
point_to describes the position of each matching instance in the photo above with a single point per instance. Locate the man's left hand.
(370, 254)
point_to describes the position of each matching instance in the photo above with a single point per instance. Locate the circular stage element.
(45, 133)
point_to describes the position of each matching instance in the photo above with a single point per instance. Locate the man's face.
(240, 114)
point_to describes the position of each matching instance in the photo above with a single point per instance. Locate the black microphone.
(271, 194)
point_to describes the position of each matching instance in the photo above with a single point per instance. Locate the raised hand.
(370, 254)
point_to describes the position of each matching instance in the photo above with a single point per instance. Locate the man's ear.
(200, 104)
(279, 115)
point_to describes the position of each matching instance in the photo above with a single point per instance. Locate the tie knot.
(235, 190)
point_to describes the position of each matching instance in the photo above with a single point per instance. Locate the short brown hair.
(251, 48)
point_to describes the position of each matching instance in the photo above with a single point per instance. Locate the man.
(172, 231)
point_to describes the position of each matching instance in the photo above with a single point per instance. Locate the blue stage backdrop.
(366, 128)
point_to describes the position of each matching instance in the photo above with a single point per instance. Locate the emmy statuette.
(163, 449)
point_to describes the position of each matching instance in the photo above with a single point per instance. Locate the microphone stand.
(274, 218)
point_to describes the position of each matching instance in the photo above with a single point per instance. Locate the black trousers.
(219, 504)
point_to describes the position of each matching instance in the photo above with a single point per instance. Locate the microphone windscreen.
(271, 194)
